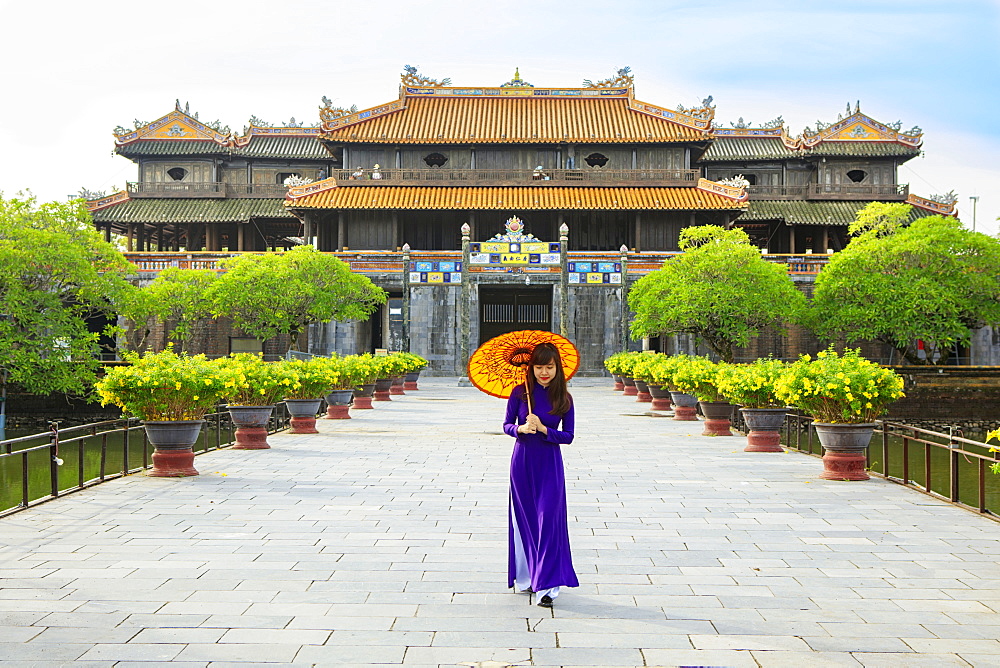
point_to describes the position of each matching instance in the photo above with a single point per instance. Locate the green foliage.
(700, 376)
(879, 219)
(645, 363)
(56, 271)
(932, 281)
(994, 434)
(250, 381)
(163, 386)
(269, 294)
(177, 298)
(839, 388)
(752, 385)
(720, 290)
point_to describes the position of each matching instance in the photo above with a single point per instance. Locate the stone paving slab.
(382, 541)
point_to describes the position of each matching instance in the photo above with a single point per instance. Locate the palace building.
(486, 209)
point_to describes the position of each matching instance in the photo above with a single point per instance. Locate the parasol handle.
(527, 391)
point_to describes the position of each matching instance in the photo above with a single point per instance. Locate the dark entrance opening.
(505, 309)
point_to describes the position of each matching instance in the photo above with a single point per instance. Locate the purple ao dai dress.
(538, 537)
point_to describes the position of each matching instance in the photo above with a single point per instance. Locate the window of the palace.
(596, 159)
(435, 160)
(286, 175)
(245, 344)
(857, 175)
(177, 173)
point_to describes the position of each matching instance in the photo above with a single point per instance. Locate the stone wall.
(963, 394)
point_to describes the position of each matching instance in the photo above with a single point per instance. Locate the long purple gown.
(538, 492)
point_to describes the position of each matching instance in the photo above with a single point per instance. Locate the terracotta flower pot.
(338, 404)
(763, 429)
(363, 396)
(661, 397)
(845, 448)
(382, 387)
(397, 385)
(685, 406)
(303, 412)
(173, 440)
(410, 381)
(619, 385)
(630, 389)
(251, 426)
(718, 417)
(642, 391)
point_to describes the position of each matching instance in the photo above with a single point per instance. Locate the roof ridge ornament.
(705, 112)
(517, 81)
(328, 112)
(623, 78)
(857, 126)
(409, 77)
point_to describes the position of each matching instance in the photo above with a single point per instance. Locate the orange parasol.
(500, 364)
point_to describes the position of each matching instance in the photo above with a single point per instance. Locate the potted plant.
(339, 397)
(627, 361)
(171, 394)
(613, 365)
(417, 364)
(641, 375)
(400, 367)
(844, 394)
(752, 387)
(390, 366)
(685, 405)
(700, 376)
(365, 370)
(253, 386)
(313, 379)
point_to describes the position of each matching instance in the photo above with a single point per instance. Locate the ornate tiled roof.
(190, 210)
(288, 147)
(516, 198)
(734, 149)
(153, 147)
(511, 120)
(797, 212)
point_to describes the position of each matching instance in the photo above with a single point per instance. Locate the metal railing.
(940, 469)
(97, 452)
(587, 176)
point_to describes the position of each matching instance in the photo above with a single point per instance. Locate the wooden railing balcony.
(825, 191)
(205, 190)
(589, 176)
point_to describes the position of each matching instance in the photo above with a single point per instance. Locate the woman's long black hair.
(559, 396)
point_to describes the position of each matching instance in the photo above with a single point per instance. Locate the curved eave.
(796, 212)
(516, 198)
(191, 211)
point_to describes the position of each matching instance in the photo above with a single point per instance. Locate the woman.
(539, 558)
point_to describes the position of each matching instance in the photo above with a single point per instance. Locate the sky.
(72, 74)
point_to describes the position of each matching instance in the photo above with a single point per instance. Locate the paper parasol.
(500, 364)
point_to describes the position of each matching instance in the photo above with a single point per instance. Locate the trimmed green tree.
(269, 294)
(56, 273)
(931, 282)
(720, 290)
(178, 298)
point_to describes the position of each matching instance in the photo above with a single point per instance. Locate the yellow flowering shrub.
(662, 371)
(250, 381)
(839, 388)
(752, 385)
(163, 386)
(994, 434)
(700, 376)
(314, 377)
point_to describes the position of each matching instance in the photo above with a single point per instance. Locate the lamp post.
(624, 324)
(975, 200)
(406, 298)
(464, 325)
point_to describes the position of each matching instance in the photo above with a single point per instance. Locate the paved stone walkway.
(383, 541)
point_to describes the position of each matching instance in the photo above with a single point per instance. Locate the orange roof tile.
(515, 198)
(503, 120)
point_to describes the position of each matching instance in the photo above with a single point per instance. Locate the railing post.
(624, 315)
(54, 457)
